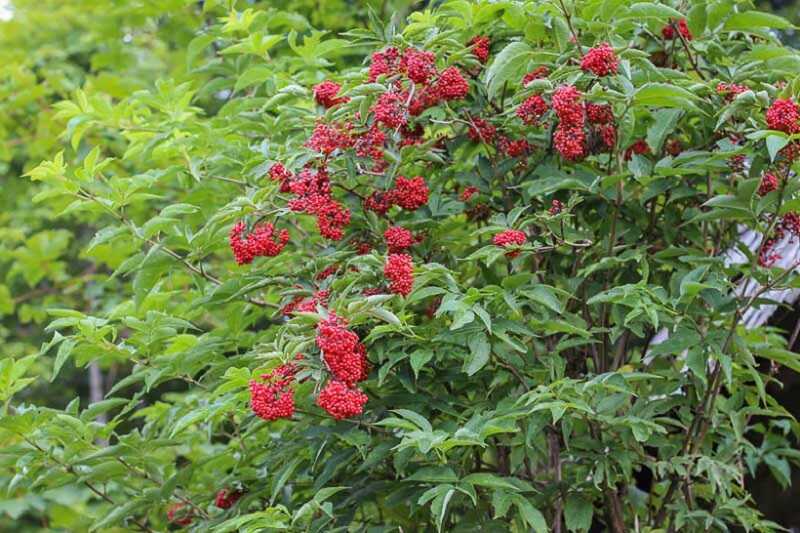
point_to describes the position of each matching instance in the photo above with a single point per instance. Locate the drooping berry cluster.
(410, 194)
(399, 270)
(262, 241)
(601, 119)
(600, 60)
(468, 193)
(307, 305)
(569, 138)
(273, 397)
(327, 138)
(343, 353)
(784, 115)
(313, 196)
(341, 400)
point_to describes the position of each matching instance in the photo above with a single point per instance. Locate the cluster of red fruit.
(262, 241)
(668, 31)
(790, 223)
(273, 397)
(346, 359)
(510, 238)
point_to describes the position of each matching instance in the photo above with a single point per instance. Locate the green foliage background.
(183, 106)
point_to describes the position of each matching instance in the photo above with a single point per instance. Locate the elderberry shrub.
(481, 269)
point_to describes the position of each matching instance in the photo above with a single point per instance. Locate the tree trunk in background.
(96, 388)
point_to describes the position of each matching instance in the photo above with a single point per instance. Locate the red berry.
(179, 515)
(468, 193)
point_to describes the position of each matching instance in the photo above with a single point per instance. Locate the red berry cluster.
(273, 398)
(600, 60)
(343, 353)
(399, 270)
(569, 138)
(791, 223)
(769, 183)
(481, 131)
(784, 115)
(398, 239)
(480, 47)
(307, 305)
(668, 31)
(601, 118)
(510, 238)
(227, 498)
(730, 90)
(312, 192)
(639, 147)
(536, 74)
(555, 207)
(262, 241)
(326, 93)
(468, 193)
(532, 110)
(514, 147)
(419, 66)
(389, 110)
(341, 400)
(410, 194)
(281, 174)
(327, 138)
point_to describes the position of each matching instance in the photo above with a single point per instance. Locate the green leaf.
(664, 122)
(479, 350)
(419, 359)
(665, 95)
(754, 19)
(508, 66)
(253, 76)
(578, 513)
(532, 516)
